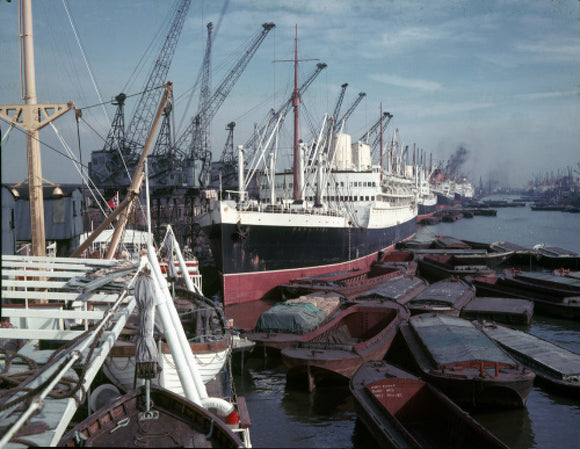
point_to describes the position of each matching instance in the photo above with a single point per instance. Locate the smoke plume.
(456, 161)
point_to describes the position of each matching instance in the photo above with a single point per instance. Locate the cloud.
(406, 82)
(546, 95)
(551, 49)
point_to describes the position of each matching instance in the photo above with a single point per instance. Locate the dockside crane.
(228, 153)
(188, 143)
(349, 112)
(331, 121)
(339, 102)
(144, 112)
(162, 161)
(373, 136)
(129, 147)
(222, 172)
(200, 141)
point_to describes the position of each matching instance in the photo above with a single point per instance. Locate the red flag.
(114, 202)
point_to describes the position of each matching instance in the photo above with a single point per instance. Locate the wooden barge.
(464, 363)
(448, 296)
(287, 323)
(552, 295)
(401, 290)
(556, 368)
(396, 258)
(347, 283)
(555, 257)
(334, 352)
(402, 411)
(503, 310)
(438, 267)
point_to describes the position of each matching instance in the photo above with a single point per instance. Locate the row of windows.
(338, 184)
(350, 198)
(336, 198)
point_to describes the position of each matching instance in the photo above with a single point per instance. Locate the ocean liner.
(334, 211)
(426, 198)
(445, 192)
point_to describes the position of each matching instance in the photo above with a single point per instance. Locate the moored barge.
(402, 411)
(464, 363)
(335, 351)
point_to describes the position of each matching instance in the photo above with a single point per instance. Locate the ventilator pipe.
(272, 179)
(224, 408)
(176, 325)
(241, 172)
(173, 339)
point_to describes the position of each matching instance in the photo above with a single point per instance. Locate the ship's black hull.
(254, 260)
(445, 201)
(263, 248)
(426, 210)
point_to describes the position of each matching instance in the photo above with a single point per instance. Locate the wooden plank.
(245, 422)
(33, 284)
(54, 266)
(100, 297)
(6, 272)
(60, 296)
(40, 334)
(56, 296)
(77, 260)
(13, 312)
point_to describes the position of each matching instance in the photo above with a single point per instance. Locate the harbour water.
(282, 417)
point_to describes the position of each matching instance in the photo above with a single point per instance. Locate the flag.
(114, 202)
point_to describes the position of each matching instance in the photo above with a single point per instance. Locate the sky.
(499, 78)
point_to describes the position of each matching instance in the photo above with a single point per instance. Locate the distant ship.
(445, 192)
(426, 198)
(464, 191)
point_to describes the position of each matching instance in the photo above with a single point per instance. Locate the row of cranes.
(174, 161)
(185, 161)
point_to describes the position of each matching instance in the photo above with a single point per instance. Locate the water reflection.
(559, 331)
(512, 426)
(284, 417)
(324, 403)
(555, 419)
(361, 437)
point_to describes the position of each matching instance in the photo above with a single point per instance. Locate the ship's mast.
(381, 136)
(295, 104)
(32, 117)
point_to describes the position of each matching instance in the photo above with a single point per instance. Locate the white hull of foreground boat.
(120, 370)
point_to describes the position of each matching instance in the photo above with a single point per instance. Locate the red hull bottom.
(246, 295)
(421, 217)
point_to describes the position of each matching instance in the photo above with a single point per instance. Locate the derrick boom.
(140, 124)
(188, 142)
(349, 112)
(272, 116)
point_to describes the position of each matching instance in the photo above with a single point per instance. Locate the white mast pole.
(32, 141)
(31, 117)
